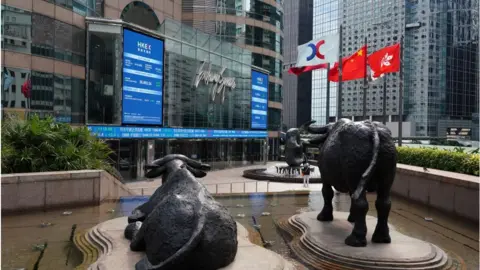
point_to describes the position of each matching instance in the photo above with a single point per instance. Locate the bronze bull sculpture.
(357, 157)
(294, 148)
(181, 226)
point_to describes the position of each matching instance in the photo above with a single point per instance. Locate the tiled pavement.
(229, 181)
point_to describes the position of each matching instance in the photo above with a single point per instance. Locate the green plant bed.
(448, 160)
(42, 145)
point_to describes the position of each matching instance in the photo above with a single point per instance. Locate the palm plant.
(41, 145)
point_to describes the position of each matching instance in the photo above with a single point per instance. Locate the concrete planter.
(48, 190)
(446, 191)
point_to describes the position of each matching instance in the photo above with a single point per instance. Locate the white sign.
(219, 82)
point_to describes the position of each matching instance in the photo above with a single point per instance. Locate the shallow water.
(20, 233)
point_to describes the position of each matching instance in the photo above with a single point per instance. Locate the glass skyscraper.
(325, 22)
(441, 61)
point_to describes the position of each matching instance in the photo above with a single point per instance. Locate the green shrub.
(447, 160)
(41, 145)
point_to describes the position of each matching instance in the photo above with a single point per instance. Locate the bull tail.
(183, 252)
(367, 174)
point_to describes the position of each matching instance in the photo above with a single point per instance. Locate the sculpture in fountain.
(181, 226)
(294, 152)
(357, 157)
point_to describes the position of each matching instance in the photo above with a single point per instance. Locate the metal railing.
(214, 188)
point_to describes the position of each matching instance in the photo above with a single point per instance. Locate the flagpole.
(365, 84)
(400, 95)
(385, 99)
(327, 113)
(340, 64)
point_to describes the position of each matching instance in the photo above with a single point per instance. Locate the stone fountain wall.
(48, 190)
(449, 192)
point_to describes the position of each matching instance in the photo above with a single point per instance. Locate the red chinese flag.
(386, 60)
(353, 67)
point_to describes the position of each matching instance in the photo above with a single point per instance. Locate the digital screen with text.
(142, 79)
(259, 100)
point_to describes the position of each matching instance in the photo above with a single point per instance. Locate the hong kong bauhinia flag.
(316, 54)
(353, 67)
(386, 60)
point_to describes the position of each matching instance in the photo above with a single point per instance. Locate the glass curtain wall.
(188, 105)
(104, 68)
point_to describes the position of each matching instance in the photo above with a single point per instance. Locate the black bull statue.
(181, 226)
(294, 148)
(357, 157)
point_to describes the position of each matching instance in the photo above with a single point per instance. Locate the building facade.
(298, 19)
(256, 25)
(441, 62)
(69, 57)
(325, 22)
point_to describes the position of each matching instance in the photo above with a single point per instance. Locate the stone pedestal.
(105, 248)
(321, 245)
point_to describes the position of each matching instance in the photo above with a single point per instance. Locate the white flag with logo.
(319, 51)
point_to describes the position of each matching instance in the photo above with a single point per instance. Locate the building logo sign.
(144, 47)
(218, 81)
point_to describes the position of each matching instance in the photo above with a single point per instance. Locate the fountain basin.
(114, 250)
(271, 174)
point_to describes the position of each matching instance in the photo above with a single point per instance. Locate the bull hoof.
(351, 219)
(354, 241)
(381, 238)
(132, 229)
(325, 216)
(136, 215)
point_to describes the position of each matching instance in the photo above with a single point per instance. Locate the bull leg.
(138, 240)
(383, 205)
(327, 212)
(350, 216)
(358, 236)
(136, 215)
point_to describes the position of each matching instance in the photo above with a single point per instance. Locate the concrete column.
(168, 150)
(244, 152)
(265, 151)
(150, 151)
(371, 117)
(141, 146)
(390, 118)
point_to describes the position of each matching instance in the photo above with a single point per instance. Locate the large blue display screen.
(116, 132)
(142, 79)
(259, 100)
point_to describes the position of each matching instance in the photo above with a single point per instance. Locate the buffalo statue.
(294, 148)
(181, 226)
(357, 157)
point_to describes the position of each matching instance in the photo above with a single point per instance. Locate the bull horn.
(307, 124)
(192, 163)
(320, 129)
